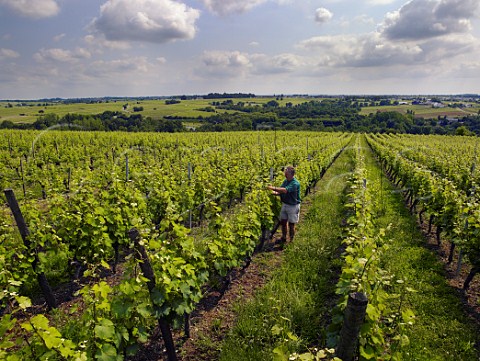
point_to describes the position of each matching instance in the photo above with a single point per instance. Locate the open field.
(29, 111)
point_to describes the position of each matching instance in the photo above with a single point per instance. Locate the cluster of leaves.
(115, 321)
(233, 240)
(15, 262)
(112, 324)
(32, 338)
(82, 228)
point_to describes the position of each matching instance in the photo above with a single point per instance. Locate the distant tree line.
(228, 95)
(172, 101)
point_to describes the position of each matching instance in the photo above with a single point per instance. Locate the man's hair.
(290, 170)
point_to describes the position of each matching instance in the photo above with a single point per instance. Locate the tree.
(272, 104)
(7, 124)
(462, 131)
(46, 121)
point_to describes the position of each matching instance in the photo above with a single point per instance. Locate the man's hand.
(274, 190)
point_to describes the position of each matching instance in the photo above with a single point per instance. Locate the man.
(289, 193)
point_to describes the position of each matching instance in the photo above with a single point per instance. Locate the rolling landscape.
(417, 115)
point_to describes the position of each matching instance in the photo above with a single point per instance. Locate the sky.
(96, 48)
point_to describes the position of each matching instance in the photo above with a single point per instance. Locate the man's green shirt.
(292, 196)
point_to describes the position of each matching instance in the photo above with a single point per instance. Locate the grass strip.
(442, 330)
(291, 311)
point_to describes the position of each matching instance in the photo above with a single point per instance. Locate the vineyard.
(110, 240)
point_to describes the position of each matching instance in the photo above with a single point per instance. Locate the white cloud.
(364, 19)
(118, 67)
(100, 43)
(236, 64)
(281, 63)
(373, 50)
(227, 7)
(35, 9)
(8, 54)
(155, 21)
(61, 55)
(83, 77)
(333, 50)
(225, 59)
(422, 32)
(423, 19)
(447, 48)
(323, 15)
(58, 37)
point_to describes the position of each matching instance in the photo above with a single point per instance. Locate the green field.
(29, 111)
(24, 112)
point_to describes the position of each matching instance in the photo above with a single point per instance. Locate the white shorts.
(290, 212)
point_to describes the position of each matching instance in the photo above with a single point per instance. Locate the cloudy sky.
(90, 48)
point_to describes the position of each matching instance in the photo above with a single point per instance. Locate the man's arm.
(277, 190)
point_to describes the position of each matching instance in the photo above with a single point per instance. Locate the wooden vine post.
(25, 233)
(147, 270)
(353, 320)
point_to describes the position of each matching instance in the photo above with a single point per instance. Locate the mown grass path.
(292, 310)
(442, 329)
